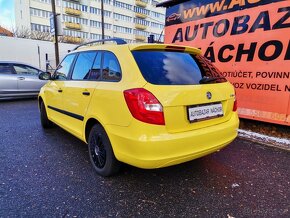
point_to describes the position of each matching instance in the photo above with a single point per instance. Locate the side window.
(62, 70)
(96, 69)
(22, 69)
(111, 68)
(83, 65)
(33, 71)
(5, 69)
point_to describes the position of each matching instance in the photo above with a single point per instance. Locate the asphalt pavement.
(47, 173)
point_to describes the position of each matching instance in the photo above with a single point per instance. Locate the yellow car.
(147, 105)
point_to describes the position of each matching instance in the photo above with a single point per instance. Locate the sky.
(7, 14)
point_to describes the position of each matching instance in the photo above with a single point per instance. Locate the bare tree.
(45, 36)
(21, 33)
(41, 35)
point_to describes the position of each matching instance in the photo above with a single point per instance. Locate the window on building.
(141, 21)
(121, 29)
(141, 33)
(40, 28)
(73, 5)
(39, 13)
(141, 10)
(98, 24)
(122, 17)
(157, 25)
(84, 8)
(74, 33)
(154, 3)
(98, 36)
(157, 15)
(98, 12)
(122, 5)
(108, 2)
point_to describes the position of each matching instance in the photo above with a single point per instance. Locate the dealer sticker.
(204, 112)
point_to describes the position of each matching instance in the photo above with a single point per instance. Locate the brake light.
(144, 106)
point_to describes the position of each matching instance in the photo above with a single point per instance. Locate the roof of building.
(5, 32)
(170, 3)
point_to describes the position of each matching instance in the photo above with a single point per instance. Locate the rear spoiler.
(165, 47)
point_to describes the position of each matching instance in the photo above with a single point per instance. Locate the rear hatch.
(191, 90)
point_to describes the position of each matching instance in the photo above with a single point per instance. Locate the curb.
(281, 143)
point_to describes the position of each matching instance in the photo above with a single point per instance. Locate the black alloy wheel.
(98, 151)
(101, 153)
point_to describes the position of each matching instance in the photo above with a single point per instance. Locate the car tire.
(45, 122)
(101, 153)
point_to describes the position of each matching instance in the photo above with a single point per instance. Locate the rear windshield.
(176, 68)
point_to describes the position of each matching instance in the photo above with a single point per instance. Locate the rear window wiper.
(206, 79)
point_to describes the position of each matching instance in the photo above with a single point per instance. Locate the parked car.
(18, 80)
(147, 105)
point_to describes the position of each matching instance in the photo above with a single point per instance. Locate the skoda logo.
(208, 95)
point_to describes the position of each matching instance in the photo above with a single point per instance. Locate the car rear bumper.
(151, 146)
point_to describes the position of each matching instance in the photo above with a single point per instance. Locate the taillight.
(144, 106)
(235, 107)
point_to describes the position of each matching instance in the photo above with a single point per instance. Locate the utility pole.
(55, 33)
(102, 15)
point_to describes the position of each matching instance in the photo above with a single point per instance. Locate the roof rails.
(117, 40)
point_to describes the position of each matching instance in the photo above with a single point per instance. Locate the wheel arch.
(89, 125)
(40, 100)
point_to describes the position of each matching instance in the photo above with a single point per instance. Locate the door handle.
(21, 78)
(86, 93)
(60, 90)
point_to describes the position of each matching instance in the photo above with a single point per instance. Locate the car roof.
(144, 46)
(17, 62)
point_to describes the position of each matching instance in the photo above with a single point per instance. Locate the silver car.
(18, 80)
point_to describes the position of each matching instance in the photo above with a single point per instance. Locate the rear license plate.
(205, 112)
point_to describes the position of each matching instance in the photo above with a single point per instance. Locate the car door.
(78, 91)
(27, 79)
(8, 81)
(108, 94)
(54, 91)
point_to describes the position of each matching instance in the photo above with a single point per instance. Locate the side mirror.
(45, 76)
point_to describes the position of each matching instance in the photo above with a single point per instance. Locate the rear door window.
(83, 65)
(6, 69)
(111, 70)
(173, 68)
(96, 69)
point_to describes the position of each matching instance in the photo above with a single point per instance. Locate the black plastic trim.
(76, 116)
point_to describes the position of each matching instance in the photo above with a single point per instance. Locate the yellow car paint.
(134, 142)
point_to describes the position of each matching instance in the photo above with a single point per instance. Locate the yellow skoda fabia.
(147, 105)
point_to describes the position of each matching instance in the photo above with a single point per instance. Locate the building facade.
(131, 20)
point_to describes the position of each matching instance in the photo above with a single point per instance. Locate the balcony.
(140, 15)
(75, 26)
(140, 38)
(140, 26)
(71, 39)
(72, 11)
(141, 3)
